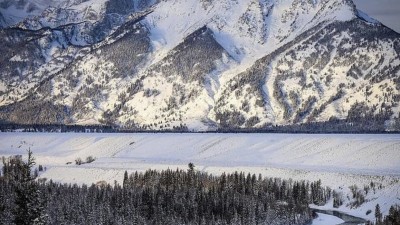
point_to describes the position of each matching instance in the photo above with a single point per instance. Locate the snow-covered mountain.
(203, 64)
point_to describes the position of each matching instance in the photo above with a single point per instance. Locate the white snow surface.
(42, 9)
(324, 219)
(367, 18)
(17, 12)
(247, 29)
(338, 160)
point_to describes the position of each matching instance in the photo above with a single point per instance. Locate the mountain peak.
(205, 64)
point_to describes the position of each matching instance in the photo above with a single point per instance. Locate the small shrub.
(78, 161)
(90, 159)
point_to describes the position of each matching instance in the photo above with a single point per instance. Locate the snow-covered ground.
(324, 219)
(338, 160)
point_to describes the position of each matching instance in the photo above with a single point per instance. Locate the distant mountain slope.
(199, 64)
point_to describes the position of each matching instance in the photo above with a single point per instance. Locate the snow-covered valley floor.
(338, 160)
(324, 219)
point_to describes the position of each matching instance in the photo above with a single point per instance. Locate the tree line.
(393, 218)
(155, 197)
(333, 125)
(159, 197)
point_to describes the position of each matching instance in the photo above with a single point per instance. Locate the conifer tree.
(378, 214)
(29, 206)
(125, 181)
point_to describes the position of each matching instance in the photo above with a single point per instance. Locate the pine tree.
(191, 168)
(125, 182)
(29, 206)
(378, 214)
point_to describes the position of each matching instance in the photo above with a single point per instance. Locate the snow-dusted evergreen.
(198, 64)
(162, 197)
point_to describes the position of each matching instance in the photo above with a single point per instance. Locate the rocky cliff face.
(198, 64)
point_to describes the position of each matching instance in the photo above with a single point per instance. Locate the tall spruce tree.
(29, 208)
(378, 214)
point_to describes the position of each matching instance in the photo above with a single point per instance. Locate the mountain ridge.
(208, 65)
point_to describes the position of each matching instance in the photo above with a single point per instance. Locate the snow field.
(324, 219)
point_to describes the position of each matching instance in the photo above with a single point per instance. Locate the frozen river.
(328, 217)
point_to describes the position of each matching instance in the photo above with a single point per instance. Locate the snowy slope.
(198, 64)
(51, 13)
(246, 29)
(14, 12)
(340, 161)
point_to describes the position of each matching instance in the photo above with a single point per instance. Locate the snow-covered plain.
(338, 160)
(324, 219)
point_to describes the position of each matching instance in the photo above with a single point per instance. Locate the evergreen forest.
(160, 197)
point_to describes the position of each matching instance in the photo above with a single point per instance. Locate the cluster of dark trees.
(334, 125)
(11, 127)
(156, 197)
(200, 46)
(62, 128)
(161, 197)
(21, 200)
(393, 218)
